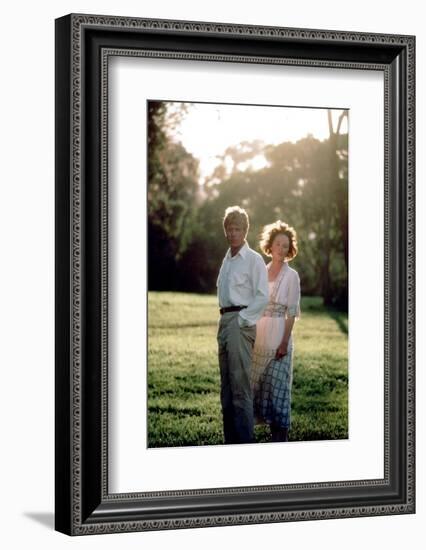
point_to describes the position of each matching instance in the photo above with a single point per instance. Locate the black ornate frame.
(83, 46)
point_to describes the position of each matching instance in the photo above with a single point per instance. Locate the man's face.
(235, 235)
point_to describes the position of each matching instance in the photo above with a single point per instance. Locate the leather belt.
(231, 308)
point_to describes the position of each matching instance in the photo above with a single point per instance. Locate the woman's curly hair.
(269, 232)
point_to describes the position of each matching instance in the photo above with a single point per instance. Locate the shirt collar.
(242, 251)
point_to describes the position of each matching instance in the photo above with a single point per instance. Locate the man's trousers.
(235, 357)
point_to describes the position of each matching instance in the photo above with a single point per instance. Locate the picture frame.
(83, 503)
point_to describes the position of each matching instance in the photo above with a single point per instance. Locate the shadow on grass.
(314, 306)
(340, 318)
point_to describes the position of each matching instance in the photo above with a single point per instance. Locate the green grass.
(183, 374)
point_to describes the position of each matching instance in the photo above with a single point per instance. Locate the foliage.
(183, 374)
(303, 183)
(171, 194)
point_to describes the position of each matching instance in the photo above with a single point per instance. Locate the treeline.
(303, 183)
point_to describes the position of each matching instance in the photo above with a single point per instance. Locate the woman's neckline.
(278, 273)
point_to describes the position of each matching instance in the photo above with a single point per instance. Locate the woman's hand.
(281, 350)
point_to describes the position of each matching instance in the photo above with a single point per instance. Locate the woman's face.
(280, 247)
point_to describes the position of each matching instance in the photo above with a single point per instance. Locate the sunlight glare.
(207, 130)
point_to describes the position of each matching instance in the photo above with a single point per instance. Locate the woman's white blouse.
(285, 303)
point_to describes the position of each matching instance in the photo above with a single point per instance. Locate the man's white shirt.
(243, 281)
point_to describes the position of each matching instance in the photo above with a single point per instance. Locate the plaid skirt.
(271, 382)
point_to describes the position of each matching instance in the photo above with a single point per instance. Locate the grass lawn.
(183, 372)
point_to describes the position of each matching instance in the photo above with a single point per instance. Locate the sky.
(208, 129)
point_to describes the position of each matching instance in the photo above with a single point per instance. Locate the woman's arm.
(293, 313)
(282, 348)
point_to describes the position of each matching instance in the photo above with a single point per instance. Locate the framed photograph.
(234, 274)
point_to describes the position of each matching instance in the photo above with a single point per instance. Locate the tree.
(303, 183)
(172, 188)
(337, 189)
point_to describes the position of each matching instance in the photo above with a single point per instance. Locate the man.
(243, 295)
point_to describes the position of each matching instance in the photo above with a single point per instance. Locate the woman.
(271, 373)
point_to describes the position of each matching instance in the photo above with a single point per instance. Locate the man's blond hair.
(236, 215)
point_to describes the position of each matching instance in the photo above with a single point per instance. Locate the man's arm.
(252, 313)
